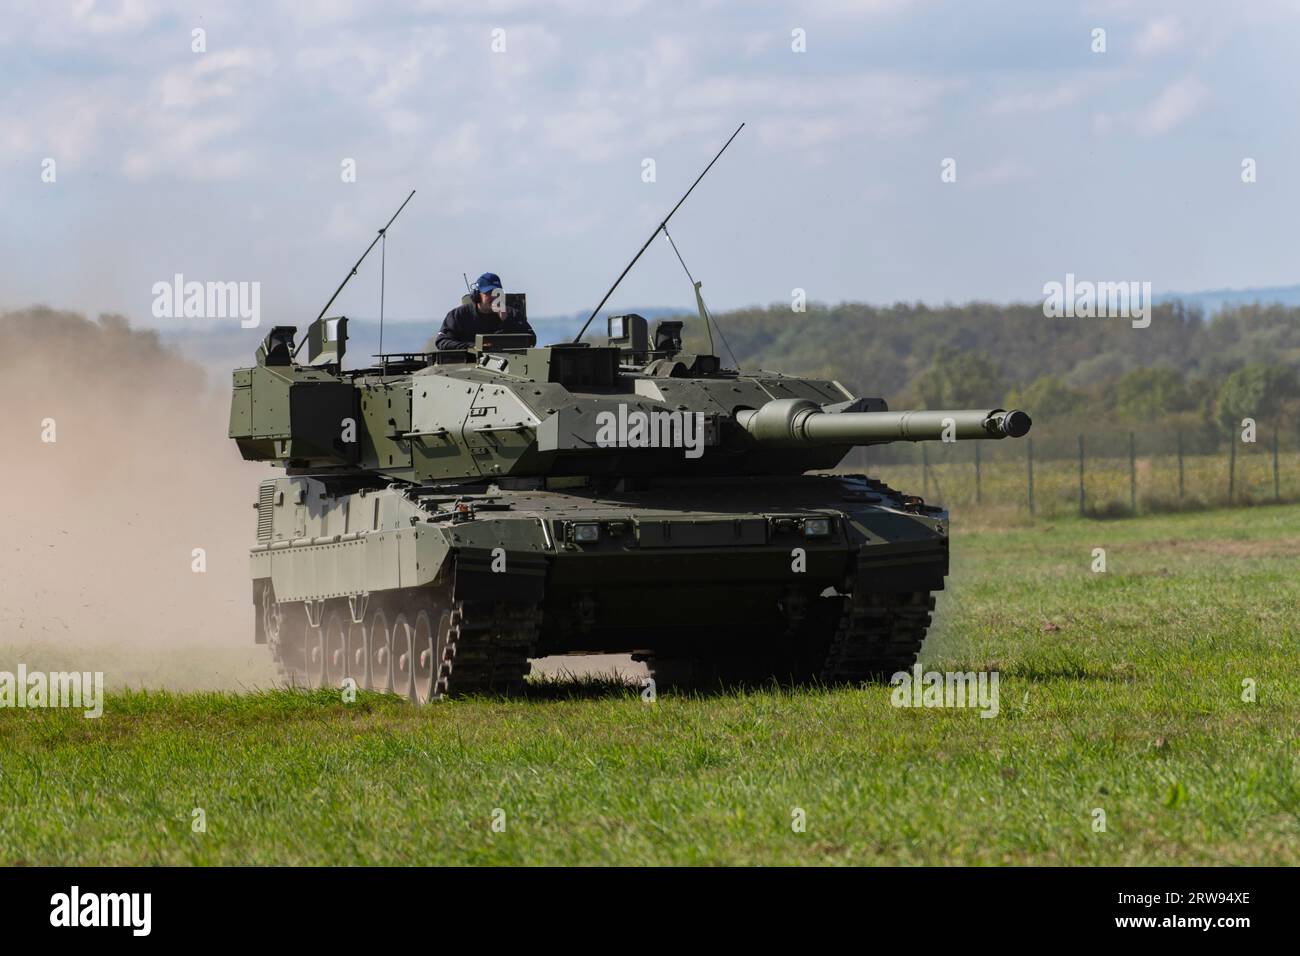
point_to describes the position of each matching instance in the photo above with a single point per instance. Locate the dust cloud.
(101, 524)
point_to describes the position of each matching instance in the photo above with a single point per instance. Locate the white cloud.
(179, 130)
(588, 135)
(877, 104)
(205, 147)
(1176, 102)
(530, 47)
(586, 89)
(212, 76)
(756, 44)
(852, 8)
(1038, 100)
(112, 16)
(343, 223)
(1159, 36)
(39, 23)
(1009, 170)
(66, 126)
(459, 148)
(572, 8)
(667, 62)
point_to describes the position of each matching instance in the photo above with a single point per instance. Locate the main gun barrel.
(794, 421)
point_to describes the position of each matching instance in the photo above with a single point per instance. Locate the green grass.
(1119, 691)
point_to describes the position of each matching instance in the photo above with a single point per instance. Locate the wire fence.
(1108, 474)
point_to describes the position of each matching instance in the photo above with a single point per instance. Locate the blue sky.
(225, 165)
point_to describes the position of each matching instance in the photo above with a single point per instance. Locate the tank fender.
(899, 552)
(499, 559)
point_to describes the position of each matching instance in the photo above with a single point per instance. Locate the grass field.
(1120, 691)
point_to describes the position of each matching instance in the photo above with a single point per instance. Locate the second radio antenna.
(353, 272)
(659, 227)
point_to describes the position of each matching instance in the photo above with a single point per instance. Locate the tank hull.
(687, 574)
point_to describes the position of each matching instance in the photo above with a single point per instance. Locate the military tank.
(444, 517)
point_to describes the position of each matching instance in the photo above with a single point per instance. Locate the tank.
(445, 517)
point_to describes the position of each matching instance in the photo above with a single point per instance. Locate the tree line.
(1184, 373)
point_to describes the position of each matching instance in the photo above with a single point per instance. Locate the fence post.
(1180, 464)
(1277, 485)
(977, 472)
(1029, 450)
(925, 471)
(1132, 473)
(1081, 505)
(1232, 463)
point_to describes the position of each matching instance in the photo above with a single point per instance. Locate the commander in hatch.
(486, 312)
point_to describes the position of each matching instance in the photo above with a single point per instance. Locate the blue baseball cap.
(487, 282)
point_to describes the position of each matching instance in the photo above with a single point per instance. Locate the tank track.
(878, 635)
(276, 620)
(487, 648)
(873, 635)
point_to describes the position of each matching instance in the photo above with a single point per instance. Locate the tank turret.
(505, 408)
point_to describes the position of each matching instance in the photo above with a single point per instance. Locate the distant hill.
(884, 348)
(1213, 301)
(901, 351)
(1184, 374)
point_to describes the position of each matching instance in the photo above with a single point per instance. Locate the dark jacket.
(466, 321)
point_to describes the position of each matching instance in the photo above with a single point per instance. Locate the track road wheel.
(430, 639)
(402, 642)
(381, 652)
(336, 654)
(358, 656)
(314, 656)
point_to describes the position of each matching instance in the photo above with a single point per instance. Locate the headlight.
(586, 533)
(816, 527)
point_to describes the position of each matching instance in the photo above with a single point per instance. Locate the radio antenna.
(354, 269)
(383, 259)
(659, 227)
(706, 317)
